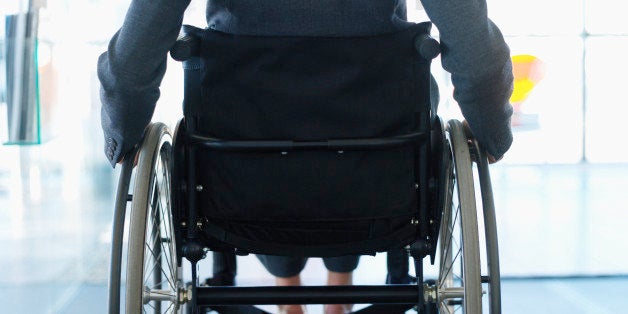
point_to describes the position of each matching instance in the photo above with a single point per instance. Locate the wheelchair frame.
(154, 266)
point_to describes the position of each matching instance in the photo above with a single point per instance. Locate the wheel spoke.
(158, 220)
(172, 285)
(456, 215)
(150, 272)
(161, 223)
(446, 249)
(167, 250)
(156, 265)
(170, 307)
(449, 277)
(168, 254)
(446, 263)
(155, 259)
(445, 306)
(157, 284)
(450, 233)
(150, 306)
(451, 266)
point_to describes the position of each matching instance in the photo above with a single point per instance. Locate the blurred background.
(559, 191)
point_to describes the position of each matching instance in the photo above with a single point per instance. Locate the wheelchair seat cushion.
(309, 89)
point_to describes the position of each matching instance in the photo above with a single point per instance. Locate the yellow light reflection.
(528, 70)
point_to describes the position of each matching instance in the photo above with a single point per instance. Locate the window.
(575, 110)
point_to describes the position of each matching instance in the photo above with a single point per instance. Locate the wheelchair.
(192, 190)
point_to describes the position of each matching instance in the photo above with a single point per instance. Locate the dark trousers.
(288, 266)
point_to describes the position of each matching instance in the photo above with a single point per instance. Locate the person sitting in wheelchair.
(472, 50)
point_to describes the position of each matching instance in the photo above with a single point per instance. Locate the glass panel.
(169, 108)
(541, 17)
(3, 79)
(606, 17)
(416, 13)
(20, 67)
(606, 66)
(195, 14)
(552, 111)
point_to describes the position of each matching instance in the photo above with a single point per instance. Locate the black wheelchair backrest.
(307, 145)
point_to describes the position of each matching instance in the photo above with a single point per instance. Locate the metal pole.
(384, 294)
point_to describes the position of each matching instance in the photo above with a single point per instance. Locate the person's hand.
(491, 159)
(135, 158)
(467, 131)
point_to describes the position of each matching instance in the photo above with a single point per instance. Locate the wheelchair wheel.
(459, 286)
(153, 281)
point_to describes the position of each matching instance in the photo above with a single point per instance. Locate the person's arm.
(131, 70)
(476, 55)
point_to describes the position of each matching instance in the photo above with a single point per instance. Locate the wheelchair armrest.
(427, 46)
(185, 47)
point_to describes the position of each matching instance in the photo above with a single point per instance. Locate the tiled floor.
(553, 221)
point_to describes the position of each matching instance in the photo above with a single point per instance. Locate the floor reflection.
(553, 221)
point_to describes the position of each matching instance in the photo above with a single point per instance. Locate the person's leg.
(340, 273)
(286, 270)
(289, 308)
(397, 264)
(224, 269)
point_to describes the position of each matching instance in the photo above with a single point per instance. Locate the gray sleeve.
(476, 55)
(132, 68)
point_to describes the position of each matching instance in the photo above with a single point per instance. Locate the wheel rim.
(459, 287)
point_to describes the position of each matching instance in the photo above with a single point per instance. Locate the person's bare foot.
(338, 279)
(289, 308)
(337, 308)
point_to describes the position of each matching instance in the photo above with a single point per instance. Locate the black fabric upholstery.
(306, 89)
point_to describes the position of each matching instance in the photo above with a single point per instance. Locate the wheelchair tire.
(459, 286)
(117, 236)
(493, 275)
(153, 282)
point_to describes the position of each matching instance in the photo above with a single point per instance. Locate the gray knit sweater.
(473, 51)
